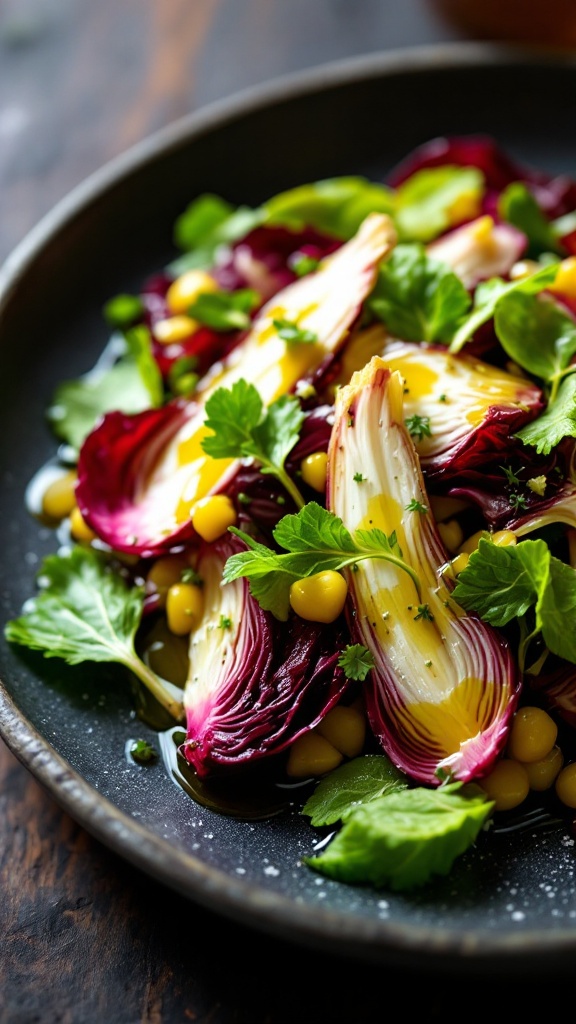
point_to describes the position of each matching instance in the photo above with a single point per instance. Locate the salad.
(318, 498)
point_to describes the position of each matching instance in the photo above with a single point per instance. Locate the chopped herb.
(191, 576)
(225, 311)
(359, 478)
(512, 478)
(418, 426)
(416, 506)
(424, 613)
(443, 398)
(142, 752)
(292, 334)
(518, 502)
(225, 622)
(356, 660)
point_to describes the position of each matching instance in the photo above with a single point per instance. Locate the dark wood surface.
(84, 938)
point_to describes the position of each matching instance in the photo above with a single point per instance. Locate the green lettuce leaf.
(356, 782)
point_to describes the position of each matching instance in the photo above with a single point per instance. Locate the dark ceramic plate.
(510, 903)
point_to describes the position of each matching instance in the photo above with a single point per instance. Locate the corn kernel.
(465, 207)
(451, 534)
(504, 538)
(345, 728)
(184, 607)
(186, 288)
(459, 563)
(566, 785)
(319, 598)
(212, 516)
(79, 527)
(314, 468)
(542, 773)
(59, 498)
(174, 329)
(507, 785)
(164, 573)
(565, 281)
(311, 754)
(532, 735)
(482, 229)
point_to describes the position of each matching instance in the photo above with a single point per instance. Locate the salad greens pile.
(416, 340)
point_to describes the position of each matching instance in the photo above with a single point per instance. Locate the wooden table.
(85, 939)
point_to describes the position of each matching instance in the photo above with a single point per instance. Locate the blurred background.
(83, 937)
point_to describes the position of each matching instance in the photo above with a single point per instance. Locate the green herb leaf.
(292, 334)
(143, 752)
(518, 206)
(536, 333)
(489, 294)
(356, 660)
(418, 426)
(404, 838)
(424, 202)
(131, 385)
(225, 311)
(557, 422)
(86, 612)
(242, 428)
(501, 583)
(417, 297)
(316, 540)
(208, 223)
(356, 782)
(303, 265)
(335, 206)
(123, 310)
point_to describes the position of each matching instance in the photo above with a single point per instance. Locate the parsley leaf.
(405, 837)
(503, 583)
(418, 426)
(243, 428)
(131, 385)
(86, 612)
(557, 422)
(315, 540)
(356, 660)
(417, 297)
(225, 311)
(206, 224)
(356, 782)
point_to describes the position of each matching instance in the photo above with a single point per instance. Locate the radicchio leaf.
(444, 686)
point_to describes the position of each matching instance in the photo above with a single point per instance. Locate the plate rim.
(216, 890)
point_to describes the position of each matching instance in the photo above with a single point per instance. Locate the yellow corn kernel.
(507, 785)
(174, 329)
(186, 288)
(532, 735)
(471, 542)
(543, 773)
(451, 534)
(165, 572)
(212, 516)
(311, 754)
(79, 527)
(523, 268)
(566, 785)
(345, 728)
(319, 598)
(184, 607)
(565, 281)
(504, 538)
(313, 469)
(59, 499)
(459, 563)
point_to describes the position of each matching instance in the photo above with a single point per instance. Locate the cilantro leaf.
(558, 420)
(489, 294)
(225, 311)
(86, 612)
(425, 201)
(131, 385)
(535, 333)
(417, 297)
(518, 206)
(406, 837)
(315, 540)
(356, 782)
(356, 660)
(242, 428)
